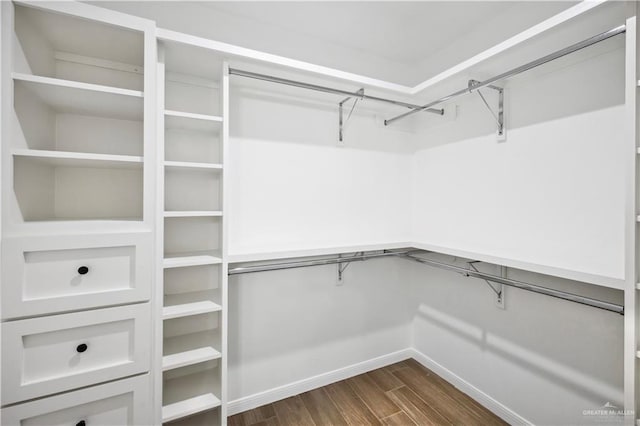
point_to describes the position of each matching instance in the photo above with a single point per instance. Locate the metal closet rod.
(312, 262)
(317, 88)
(571, 297)
(526, 67)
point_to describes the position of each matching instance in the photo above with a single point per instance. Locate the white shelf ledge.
(190, 259)
(195, 356)
(190, 165)
(191, 121)
(193, 213)
(84, 98)
(282, 253)
(80, 159)
(189, 406)
(189, 309)
(192, 116)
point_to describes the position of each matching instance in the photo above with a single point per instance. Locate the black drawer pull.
(81, 348)
(81, 423)
(83, 270)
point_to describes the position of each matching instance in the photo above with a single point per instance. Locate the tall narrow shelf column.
(191, 274)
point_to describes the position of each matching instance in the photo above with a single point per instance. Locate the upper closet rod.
(560, 53)
(359, 94)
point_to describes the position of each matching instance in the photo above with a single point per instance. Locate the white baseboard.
(305, 385)
(497, 408)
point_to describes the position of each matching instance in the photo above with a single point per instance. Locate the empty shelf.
(190, 165)
(188, 309)
(84, 98)
(190, 259)
(80, 159)
(192, 116)
(189, 406)
(193, 213)
(191, 121)
(182, 359)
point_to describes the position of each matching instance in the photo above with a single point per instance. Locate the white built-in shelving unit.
(78, 190)
(192, 278)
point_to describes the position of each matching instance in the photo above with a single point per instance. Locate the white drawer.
(41, 356)
(44, 275)
(125, 402)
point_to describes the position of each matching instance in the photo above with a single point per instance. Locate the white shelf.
(191, 121)
(84, 98)
(80, 159)
(190, 165)
(189, 406)
(194, 356)
(190, 259)
(285, 253)
(193, 213)
(189, 309)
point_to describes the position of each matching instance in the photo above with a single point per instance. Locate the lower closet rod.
(607, 306)
(313, 262)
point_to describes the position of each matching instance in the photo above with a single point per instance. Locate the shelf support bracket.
(498, 291)
(342, 123)
(499, 116)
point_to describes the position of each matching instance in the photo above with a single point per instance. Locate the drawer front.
(41, 356)
(44, 275)
(125, 402)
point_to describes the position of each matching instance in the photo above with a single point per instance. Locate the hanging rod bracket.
(499, 116)
(342, 123)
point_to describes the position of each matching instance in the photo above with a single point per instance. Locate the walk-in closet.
(253, 213)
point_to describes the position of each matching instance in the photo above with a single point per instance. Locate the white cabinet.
(63, 273)
(51, 354)
(123, 403)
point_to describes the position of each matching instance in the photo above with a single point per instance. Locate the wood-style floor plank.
(461, 398)
(415, 408)
(352, 408)
(272, 421)
(322, 409)
(398, 419)
(384, 379)
(373, 396)
(431, 393)
(291, 411)
(259, 414)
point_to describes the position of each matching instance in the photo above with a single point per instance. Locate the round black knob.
(83, 270)
(81, 348)
(81, 423)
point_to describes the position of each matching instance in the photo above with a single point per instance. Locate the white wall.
(291, 325)
(545, 359)
(553, 193)
(292, 187)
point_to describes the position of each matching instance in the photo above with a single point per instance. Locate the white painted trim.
(493, 405)
(534, 31)
(305, 385)
(243, 52)
(256, 55)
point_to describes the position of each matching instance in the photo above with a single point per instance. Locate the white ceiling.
(398, 41)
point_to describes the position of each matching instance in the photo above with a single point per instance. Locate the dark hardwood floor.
(404, 394)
